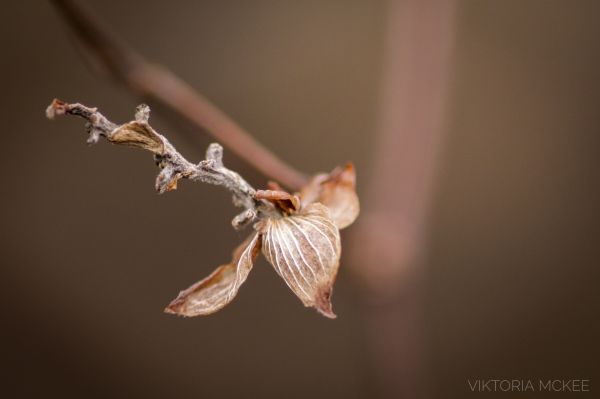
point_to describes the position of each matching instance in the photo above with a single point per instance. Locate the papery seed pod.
(305, 251)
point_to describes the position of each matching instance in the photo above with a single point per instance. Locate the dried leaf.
(305, 251)
(273, 185)
(337, 191)
(285, 201)
(220, 287)
(138, 134)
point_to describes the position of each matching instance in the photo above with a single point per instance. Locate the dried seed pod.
(305, 251)
(138, 134)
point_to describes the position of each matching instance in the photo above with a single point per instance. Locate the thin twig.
(173, 165)
(146, 79)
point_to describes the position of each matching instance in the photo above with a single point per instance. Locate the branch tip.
(55, 108)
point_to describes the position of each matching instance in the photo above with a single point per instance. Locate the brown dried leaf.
(285, 201)
(337, 191)
(305, 251)
(221, 286)
(138, 134)
(273, 185)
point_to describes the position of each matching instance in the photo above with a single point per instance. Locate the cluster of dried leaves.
(297, 233)
(302, 242)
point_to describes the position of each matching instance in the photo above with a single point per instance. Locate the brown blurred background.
(509, 283)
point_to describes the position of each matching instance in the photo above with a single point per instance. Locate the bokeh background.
(508, 273)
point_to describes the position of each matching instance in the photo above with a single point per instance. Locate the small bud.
(167, 179)
(214, 153)
(243, 219)
(56, 108)
(94, 136)
(142, 113)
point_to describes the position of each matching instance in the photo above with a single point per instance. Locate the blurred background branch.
(126, 66)
(390, 240)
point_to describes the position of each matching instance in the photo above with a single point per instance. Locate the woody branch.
(173, 165)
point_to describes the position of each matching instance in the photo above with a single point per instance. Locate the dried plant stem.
(159, 84)
(173, 165)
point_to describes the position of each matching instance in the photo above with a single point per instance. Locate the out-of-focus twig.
(159, 84)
